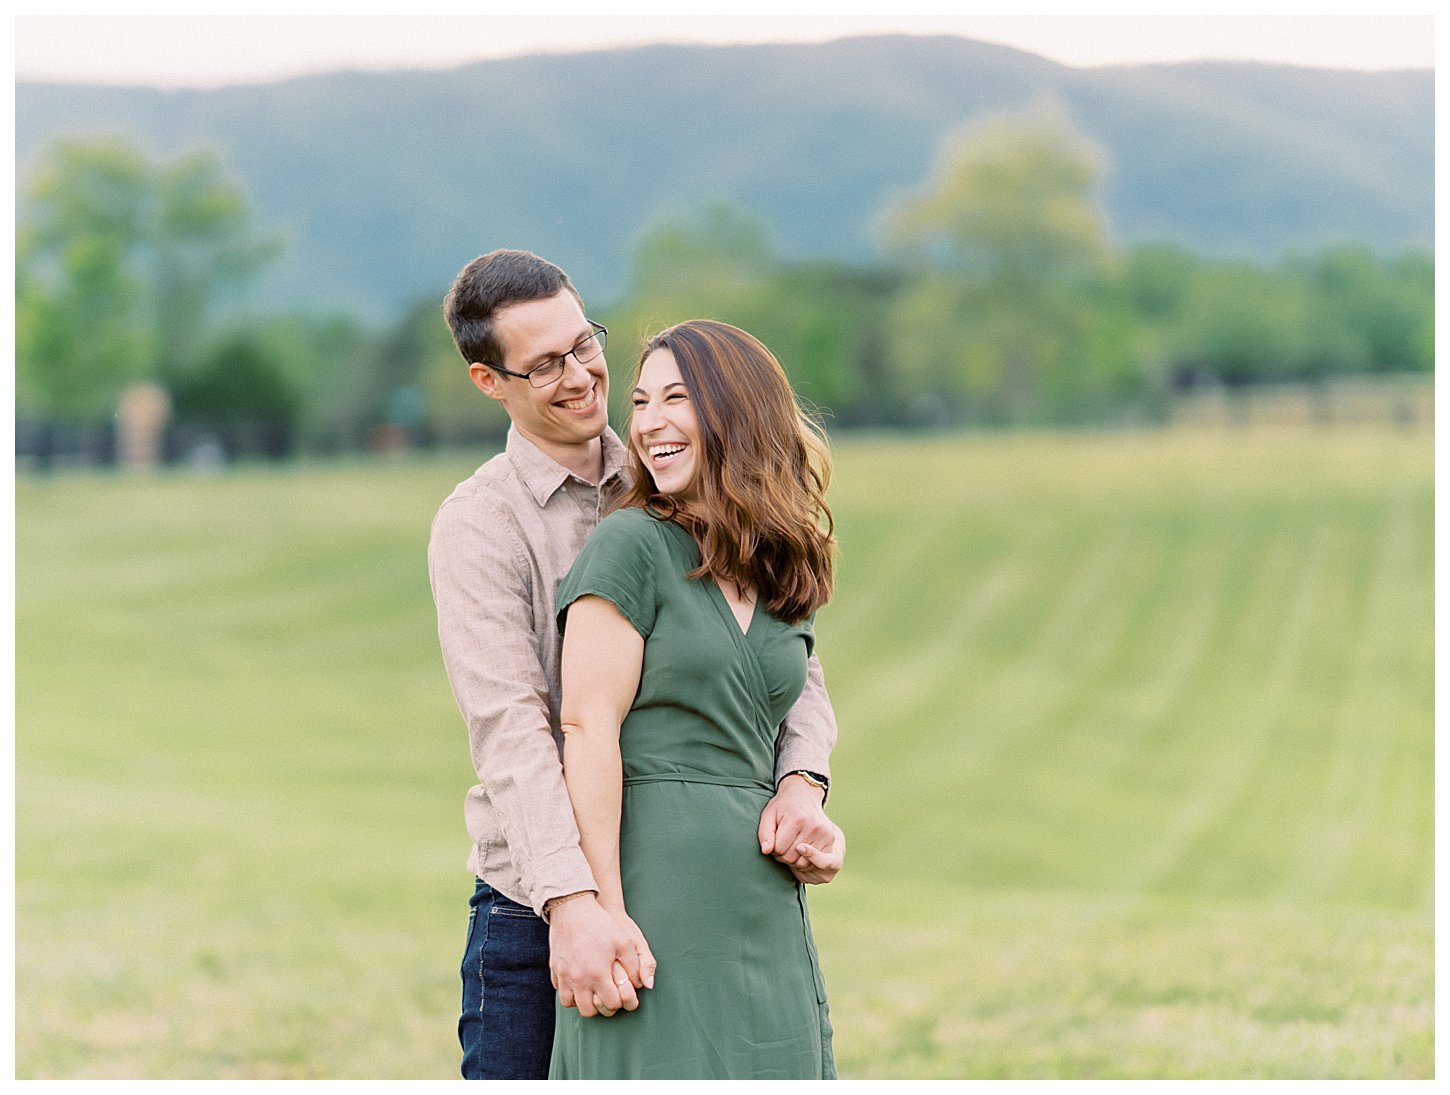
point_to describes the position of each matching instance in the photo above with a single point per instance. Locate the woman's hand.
(642, 975)
(591, 956)
(816, 865)
(634, 970)
(793, 820)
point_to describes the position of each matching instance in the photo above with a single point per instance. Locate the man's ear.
(485, 380)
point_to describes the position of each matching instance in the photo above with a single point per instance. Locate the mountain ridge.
(388, 182)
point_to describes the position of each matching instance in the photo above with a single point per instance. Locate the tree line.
(999, 298)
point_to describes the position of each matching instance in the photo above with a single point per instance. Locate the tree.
(418, 358)
(822, 320)
(318, 358)
(1385, 308)
(1011, 310)
(120, 263)
(1011, 204)
(1243, 324)
(239, 381)
(711, 264)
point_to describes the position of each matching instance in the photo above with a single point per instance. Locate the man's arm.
(809, 732)
(794, 827)
(480, 576)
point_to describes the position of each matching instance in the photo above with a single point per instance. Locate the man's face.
(568, 412)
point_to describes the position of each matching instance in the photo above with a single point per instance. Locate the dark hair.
(760, 516)
(491, 282)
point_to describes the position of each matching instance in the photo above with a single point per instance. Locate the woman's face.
(663, 430)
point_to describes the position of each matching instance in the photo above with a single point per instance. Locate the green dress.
(738, 993)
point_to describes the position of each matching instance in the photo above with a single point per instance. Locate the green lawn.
(1135, 765)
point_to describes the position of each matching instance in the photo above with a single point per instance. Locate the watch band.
(815, 779)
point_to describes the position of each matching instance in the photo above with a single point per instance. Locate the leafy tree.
(318, 358)
(1158, 279)
(709, 265)
(1242, 324)
(80, 335)
(718, 252)
(420, 356)
(240, 383)
(826, 323)
(1012, 310)
(1011, 204)
(822, 320)
(120, 264)
(1382, 311)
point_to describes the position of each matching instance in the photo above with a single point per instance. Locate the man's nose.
(575, 374)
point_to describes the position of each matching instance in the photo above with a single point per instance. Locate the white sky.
(173, 51)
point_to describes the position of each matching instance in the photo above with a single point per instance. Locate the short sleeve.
(808, 632)
(618, 563)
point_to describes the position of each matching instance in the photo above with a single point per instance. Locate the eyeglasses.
(585, 350)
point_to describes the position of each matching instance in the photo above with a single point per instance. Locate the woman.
(687, 627)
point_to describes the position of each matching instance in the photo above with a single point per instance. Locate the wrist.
(554, 904)
(612, 905)
(801, 778)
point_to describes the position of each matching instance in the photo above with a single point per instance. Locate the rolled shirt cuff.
(564, 872)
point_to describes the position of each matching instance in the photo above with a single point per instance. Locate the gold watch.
(815, 779)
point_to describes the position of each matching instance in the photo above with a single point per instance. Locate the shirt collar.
(543, 475)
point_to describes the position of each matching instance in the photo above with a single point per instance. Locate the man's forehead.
(541, 328)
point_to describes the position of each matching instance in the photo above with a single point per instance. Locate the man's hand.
(796, 831)
(597, 960)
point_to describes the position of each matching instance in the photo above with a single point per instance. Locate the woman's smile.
(663, 428)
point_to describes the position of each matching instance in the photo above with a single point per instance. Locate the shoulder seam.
(489, 505)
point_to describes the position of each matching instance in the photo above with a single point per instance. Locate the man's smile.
(584, 402)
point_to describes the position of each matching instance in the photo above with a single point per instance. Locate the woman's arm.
(602, 658)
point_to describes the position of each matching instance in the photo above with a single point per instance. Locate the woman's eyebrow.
(671, 384)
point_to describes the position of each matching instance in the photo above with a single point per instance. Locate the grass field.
(1135, 765)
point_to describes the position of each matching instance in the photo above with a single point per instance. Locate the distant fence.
(1361, 400)
(42, 446)
(1404, 401)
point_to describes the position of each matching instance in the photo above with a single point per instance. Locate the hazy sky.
(172, 51)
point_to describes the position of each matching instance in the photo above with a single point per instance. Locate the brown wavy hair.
(760, 516)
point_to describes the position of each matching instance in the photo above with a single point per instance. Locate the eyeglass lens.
(585, 350)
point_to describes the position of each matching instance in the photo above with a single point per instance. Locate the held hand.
(795, 817)
(642, 972)
(597, 959)
(585, 946)
(818, 866)
(642, 978)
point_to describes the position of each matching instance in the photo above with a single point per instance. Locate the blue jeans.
(506, 1027)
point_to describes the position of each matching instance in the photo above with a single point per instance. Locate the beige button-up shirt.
(501, 543)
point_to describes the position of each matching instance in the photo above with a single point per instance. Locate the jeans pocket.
(502, 906)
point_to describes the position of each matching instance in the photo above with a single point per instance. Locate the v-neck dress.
(738, 993)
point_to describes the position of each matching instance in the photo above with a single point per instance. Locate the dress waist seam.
(694, 777)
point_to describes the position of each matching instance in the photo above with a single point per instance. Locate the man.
(500, 544)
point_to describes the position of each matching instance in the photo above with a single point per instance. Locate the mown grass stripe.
(1177, 642)
(1229, 770)
(1363, 733)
